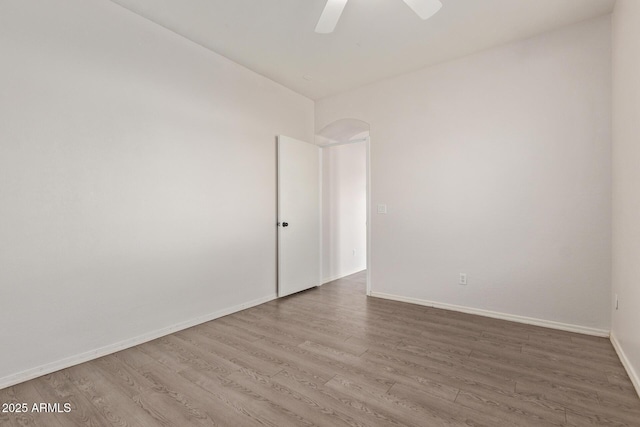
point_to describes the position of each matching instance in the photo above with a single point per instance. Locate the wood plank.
(25, 393)
(331, 356)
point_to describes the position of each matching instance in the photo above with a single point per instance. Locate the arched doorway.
(346, 207)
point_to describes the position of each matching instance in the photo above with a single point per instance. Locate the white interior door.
(299, 215)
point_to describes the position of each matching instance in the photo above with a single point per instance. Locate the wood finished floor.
(332, 357)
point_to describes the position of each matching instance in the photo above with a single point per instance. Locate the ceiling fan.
(425, 9)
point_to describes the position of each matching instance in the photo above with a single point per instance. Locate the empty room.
(319, 213)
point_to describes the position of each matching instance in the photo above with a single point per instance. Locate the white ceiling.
(374, 39)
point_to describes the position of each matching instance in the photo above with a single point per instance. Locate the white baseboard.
(633, 375)
(340, 276)
(113, 348)
(497, 315)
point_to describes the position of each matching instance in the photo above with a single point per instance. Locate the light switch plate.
(382, 209)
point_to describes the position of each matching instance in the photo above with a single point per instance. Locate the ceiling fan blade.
(425, 9)
(330, 16)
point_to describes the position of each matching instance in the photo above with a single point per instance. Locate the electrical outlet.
(463, 278)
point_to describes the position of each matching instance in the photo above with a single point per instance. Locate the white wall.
(626, 184)
(344, 191)
(496, 165)
(137, 180)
